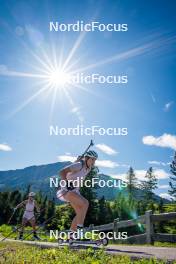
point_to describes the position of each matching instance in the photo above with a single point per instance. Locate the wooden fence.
(148, 220)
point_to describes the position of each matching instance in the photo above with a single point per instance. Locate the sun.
(59, 78)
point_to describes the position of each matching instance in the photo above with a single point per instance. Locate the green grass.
(164, 244)
(6, 230)
(13, 253)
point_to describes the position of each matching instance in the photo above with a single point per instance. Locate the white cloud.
(66, 158)
(107, 164)
(140, 174)
(159, 174)
(121, 176)
(164, 186)
(6, 72)
(166, 196)
(153, 162)
(158, 163)
(99, 163)
(68, 153)
(124, 165)
(106, 149)
(5, 147)
(168, 106)
(75, 109)
(165, 141)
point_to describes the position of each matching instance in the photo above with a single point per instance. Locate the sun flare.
(59, 77)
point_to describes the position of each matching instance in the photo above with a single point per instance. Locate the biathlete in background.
(71, 194)
(28, 216)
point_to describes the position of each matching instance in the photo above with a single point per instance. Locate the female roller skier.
(28, 216)
(71, 194)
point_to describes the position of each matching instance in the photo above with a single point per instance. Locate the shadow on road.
(128, 252)
(112, 250)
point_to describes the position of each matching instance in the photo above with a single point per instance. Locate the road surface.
(135, 252)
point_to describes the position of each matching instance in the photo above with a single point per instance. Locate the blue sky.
(145, 105)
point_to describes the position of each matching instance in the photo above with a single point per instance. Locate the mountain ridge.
(38, 177)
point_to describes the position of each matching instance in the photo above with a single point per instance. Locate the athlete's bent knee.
(86, 204)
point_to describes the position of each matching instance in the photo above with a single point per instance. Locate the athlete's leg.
(32, 222)
(80, 205)
(74, 222)
(24, 221)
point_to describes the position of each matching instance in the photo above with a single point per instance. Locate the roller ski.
(71, 241)
(20, 236)
(36, 237)
(81, 239)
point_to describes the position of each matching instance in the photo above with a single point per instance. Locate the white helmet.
(31, 194)
(91, 154)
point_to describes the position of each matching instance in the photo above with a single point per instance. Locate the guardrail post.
(115, 229)
(149, 227)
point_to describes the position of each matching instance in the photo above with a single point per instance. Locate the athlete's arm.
(71, 168)
(21, 204)
(63, 173)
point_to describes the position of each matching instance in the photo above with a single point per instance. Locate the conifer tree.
(172, 182)
(131, 182)
(149, 185)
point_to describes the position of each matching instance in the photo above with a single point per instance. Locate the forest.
(101, 211)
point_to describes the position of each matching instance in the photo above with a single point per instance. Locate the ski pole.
(90, 145)
(11, 216)
(46, 221)
(17, 229)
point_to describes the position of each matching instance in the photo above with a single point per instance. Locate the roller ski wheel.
(60, 241)
(98, 242)
(70, 242)
(103, 242)
(66, 241)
